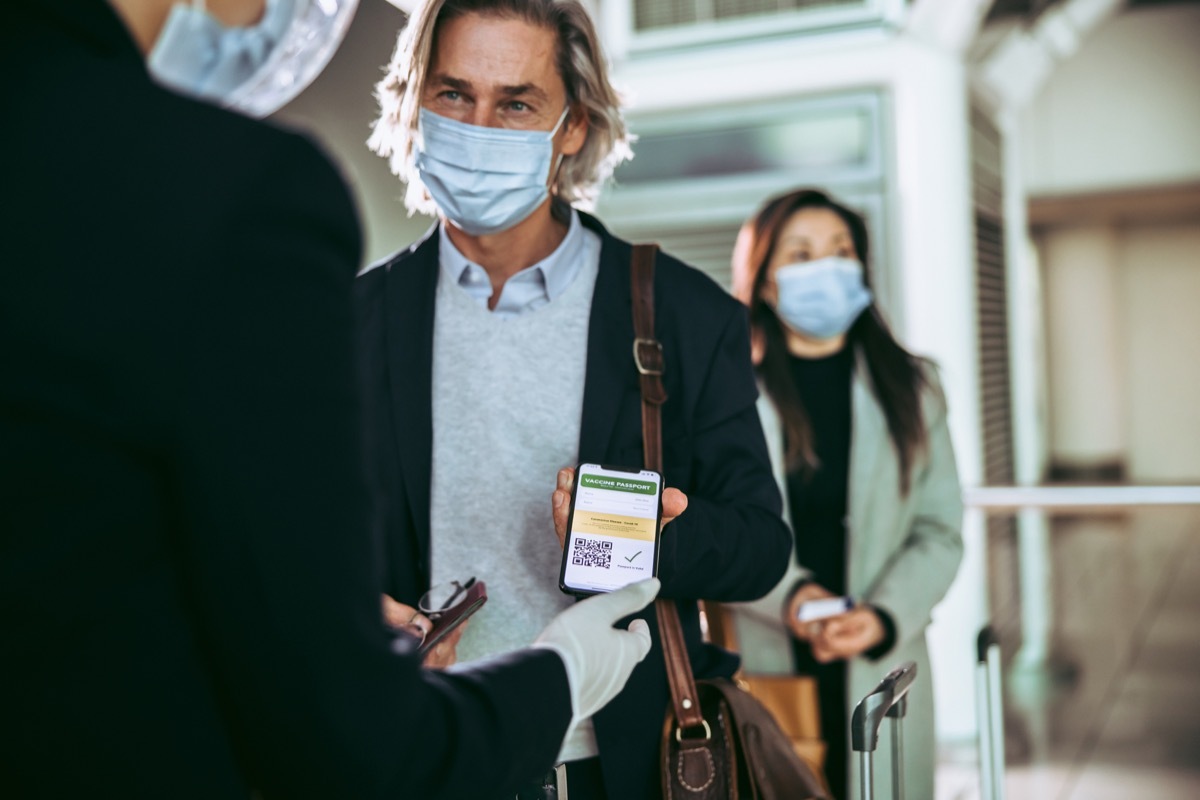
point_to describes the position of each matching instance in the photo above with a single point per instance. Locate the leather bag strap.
(648, 357)
(648, 353)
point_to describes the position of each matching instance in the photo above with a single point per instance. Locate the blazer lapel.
(411, 289)
(610, 340)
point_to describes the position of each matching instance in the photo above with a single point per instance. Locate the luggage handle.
(888, 699)
(989, 709)
(985, 641)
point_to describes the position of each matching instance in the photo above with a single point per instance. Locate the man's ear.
(575, 133)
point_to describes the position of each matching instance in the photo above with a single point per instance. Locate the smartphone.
(612, 530)
(826, 607)
(474, 599)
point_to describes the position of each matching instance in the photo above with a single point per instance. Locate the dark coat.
(730, 544)
(189, 590)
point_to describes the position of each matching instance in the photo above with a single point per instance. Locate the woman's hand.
(848, 635)
(805, 631)
(674, 503)
(412, 622)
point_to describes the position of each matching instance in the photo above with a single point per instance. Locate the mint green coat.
(903, 553)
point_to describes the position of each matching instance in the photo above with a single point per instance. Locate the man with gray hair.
(503, 339)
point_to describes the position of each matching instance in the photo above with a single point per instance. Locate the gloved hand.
(599, 657)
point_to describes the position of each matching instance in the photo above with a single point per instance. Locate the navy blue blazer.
(731, 543)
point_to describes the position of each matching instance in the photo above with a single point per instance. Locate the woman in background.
(857, 430)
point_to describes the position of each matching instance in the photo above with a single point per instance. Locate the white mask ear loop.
(553, 131)
(559, 160)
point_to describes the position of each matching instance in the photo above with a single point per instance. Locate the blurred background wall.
(1112, 168)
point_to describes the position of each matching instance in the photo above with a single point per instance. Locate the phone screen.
(612, 533)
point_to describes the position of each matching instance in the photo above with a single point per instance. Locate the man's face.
(500, 73)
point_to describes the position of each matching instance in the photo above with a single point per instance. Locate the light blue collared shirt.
(529, 289)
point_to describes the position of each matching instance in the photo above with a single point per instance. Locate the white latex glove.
(599, 657)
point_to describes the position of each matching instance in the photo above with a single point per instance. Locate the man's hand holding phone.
(674, 503)
(612, 532)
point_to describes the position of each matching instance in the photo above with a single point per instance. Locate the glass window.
(651, 14)
(818, 139)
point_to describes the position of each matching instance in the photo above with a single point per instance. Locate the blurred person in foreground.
(189, 594)
(505, 338)
(857, 430)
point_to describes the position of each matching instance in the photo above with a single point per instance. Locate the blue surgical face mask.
(821, 299)
(200, 56)
(484, 180)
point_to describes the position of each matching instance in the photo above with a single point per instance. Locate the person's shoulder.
(370, 281)
(258, 188)
(221, 125)
(216, 144)
(290, 162)
(403, 258)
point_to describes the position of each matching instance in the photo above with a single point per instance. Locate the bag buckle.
(707, 732)
(648, 356)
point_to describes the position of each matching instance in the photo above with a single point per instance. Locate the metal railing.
(1031, 504)
(1092, 497)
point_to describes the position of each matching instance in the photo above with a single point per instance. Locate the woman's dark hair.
(896, 374)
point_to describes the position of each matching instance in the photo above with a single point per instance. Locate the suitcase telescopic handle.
(989, 708)
(889, 698)
(984, 642)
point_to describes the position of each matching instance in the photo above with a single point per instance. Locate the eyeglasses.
(444, 597)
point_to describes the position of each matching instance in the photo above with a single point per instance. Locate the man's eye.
(517, 105)
(450, 94)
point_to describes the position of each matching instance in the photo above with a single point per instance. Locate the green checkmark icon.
(632, 557)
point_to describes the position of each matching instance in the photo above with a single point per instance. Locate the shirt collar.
(555, 272)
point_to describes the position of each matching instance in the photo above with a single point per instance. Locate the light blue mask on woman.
(821, 299)
(200, 56)
(484, 180)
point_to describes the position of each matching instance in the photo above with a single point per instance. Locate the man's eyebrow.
(458, 84)
(524, 89)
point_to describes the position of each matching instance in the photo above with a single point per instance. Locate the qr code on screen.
(592, 553)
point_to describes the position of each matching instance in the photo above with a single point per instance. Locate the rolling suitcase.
(888, 699)
(989, 710)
